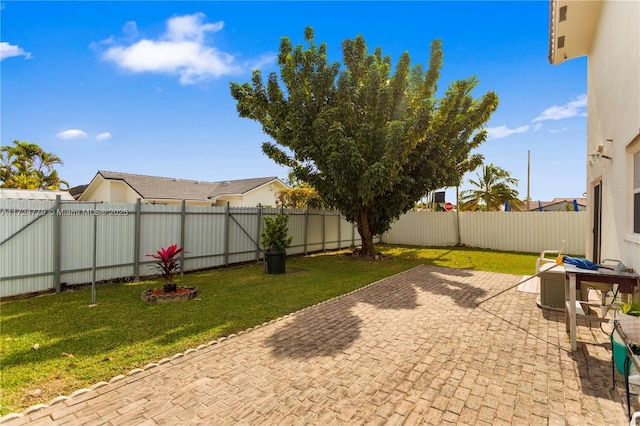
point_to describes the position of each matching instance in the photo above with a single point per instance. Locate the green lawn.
(80, 345)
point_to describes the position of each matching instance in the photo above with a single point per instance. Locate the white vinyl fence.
(529, 232)
(47, 244)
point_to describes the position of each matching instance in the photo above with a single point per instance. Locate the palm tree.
(469, 164)
(493, 189)
(27, 166)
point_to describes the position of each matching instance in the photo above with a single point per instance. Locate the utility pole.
(528, 178)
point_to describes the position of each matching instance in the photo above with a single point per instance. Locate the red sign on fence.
(448, 206)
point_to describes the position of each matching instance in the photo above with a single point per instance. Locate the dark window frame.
(636, 193)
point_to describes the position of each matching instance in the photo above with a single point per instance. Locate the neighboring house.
(114, 187)
(77, 191)
(608, 33)
(32, 194)
(557, 205)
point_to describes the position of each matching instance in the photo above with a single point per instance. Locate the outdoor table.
(627, 281)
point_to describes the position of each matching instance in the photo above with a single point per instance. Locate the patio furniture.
(625, 353)
(605, 279)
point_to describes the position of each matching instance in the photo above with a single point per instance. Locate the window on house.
(636, 193)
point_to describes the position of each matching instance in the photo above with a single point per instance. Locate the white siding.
(614, 113)
(212, 236)
(521, 232)
(215, 236)
(423, 229)
(26, 245)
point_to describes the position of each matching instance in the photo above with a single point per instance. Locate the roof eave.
(571, 29)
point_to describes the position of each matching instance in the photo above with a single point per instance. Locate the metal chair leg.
(627, 371)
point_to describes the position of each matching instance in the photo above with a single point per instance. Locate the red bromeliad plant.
(167, 262)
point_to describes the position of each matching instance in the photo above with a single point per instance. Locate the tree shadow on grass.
(332, 327)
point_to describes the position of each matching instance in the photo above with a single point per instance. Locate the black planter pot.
(275, 261)
(169, 287)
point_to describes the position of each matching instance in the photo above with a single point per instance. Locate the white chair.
(543, 259)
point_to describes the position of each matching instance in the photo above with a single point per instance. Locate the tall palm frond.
(493, 189)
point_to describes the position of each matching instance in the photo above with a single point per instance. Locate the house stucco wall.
(99, 191)
(109, 192)
(121, 192)
(613, 84)
(264, 195)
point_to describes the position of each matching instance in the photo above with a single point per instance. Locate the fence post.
(324, 230)
(57, 243)
(353, 235)
(136, 242)
(183, 217)
(95, 255)
(339, 233)
(259, 215)
(226, 234)
(306, 229)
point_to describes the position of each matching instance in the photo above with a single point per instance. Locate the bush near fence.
(47, 244)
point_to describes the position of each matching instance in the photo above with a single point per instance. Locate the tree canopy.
(492, 189)
(299, 195)
(371, 142)
(25, 165)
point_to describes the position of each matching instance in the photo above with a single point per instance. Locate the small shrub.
(275, 234)
(167, 261)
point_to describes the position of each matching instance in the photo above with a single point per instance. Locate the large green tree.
(492, 189)
(369, 141)
(26, 165)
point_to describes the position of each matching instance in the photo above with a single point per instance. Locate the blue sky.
(143, 87)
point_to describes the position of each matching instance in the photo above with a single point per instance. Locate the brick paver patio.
(411, 349)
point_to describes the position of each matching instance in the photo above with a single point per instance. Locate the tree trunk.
(459, 242)
(362, 220)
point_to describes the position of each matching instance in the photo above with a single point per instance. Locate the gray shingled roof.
(182, 189)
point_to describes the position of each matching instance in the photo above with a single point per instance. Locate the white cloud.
(103, 136)
(71, 134)
(131, 29)
(503, 131)
(190, 27)
(262, 61)
(572, 108)
(181, 51)
(8, 50)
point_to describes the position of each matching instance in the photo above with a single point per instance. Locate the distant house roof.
(155, 187)
(535, 205)
(31, 194)
(77, 191)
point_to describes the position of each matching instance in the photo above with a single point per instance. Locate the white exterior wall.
(99, 192)
(614, 113)
(110, 192)
(121, 193)
(264, 195)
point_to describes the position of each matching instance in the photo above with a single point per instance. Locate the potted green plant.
(275, 240)
(167, 263)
